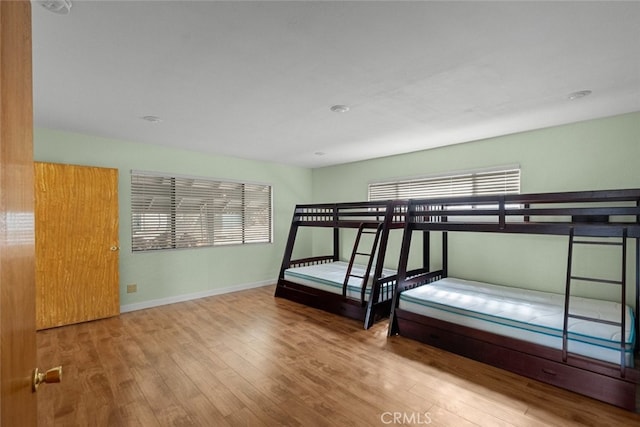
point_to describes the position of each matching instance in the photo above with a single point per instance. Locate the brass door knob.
(53, 375)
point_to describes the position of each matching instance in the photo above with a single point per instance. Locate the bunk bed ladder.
(362, 229)
(622, 283)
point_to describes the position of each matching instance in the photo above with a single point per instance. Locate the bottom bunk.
(319, 283)
(521, 331)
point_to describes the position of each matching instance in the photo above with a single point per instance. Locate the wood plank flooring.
(249, 359)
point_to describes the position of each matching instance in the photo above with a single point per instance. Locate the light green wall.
(591, 155)
(168, 274)
(598, 154)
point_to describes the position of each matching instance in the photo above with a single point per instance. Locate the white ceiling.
(256, 79)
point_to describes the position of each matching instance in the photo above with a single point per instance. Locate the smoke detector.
(152, 119)
(579, 94)
(339, 108)
(60, 7)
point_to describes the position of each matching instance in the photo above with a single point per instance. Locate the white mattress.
(525, 314)
(330, 277)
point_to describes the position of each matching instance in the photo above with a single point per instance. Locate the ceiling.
(256, 80)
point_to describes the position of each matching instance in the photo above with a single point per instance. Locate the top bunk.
(602, 213)
(390, 213)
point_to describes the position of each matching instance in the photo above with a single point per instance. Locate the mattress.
(330, 277)
(525, 314)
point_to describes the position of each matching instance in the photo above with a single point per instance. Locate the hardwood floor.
(248, 358)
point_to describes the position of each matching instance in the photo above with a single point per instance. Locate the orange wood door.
(76, 244)
(18, 404)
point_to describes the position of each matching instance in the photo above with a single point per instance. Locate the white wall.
(166, 276)
(592, 155)
(597, 154)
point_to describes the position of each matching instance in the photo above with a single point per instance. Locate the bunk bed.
(360, 287)
(581, 344)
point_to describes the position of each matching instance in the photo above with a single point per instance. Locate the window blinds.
(169, 212)
(472, 183)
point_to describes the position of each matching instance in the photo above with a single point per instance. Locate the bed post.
(445, 254)
(403, 262)
(637, 310)
(384, 238)
(381, 249)
(384, 241)
(336, 235)
(445, 247)
(637, 266)
(286, 259)
(502, 218)
(426, 250)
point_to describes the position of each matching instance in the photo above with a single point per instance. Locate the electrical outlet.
(132, 288)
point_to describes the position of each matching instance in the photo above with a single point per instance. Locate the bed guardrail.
(304, 262)
(419, 277)
(350, 215)
(387, 286)
(591, 213)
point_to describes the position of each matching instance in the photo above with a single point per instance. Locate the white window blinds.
(170, 212)
(470, 183)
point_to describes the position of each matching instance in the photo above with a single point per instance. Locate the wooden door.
(76, 244)
(17, 287)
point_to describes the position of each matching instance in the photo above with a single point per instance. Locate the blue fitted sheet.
(330, 277)
(524, 314)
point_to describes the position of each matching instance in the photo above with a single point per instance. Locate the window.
(171, 212)
(471, 183)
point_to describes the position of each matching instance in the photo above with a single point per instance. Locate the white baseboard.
(187, 297)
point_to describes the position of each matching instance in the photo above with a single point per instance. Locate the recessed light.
(60, 7)
(339, 108)
(152, 119)
(579, 94)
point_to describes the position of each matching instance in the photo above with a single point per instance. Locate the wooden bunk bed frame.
(594, 214)
(381, 217)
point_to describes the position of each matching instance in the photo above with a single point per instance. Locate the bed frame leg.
(393, 326)
(636, 350)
